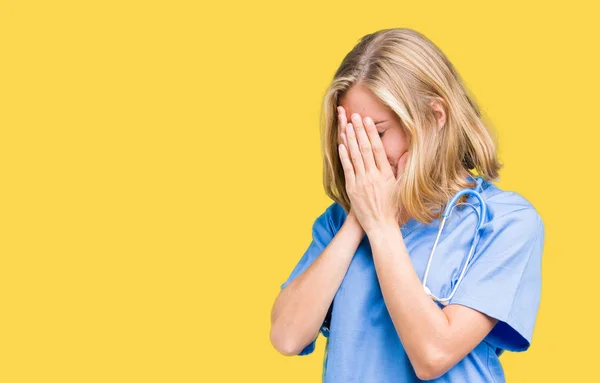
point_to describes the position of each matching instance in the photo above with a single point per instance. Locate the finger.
(377, 148)
(346, 164)
(341, 124)
(342, 121)
(354, 152)
(363, 143)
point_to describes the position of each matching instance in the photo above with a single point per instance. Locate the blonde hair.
(407, 71)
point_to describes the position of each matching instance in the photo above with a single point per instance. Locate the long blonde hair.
(407, 71)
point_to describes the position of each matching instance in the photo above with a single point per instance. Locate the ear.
(439, 109)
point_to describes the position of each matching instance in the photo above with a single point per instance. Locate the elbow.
(432, 366)
(283, 344)
(277, 337)
(428, 374)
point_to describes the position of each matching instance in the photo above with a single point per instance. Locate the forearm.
(300, 307)
(421, 325)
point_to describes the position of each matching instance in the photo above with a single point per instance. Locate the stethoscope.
(481, 218)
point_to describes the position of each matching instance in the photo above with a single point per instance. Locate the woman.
(401, 137)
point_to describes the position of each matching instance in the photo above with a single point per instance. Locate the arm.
(434, 339)
(301, 307)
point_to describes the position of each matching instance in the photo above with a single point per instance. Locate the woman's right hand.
(342, 121)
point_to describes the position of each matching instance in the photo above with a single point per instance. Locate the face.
(361, 100)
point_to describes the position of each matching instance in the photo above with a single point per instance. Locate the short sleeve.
(322, 234)
(503, 280)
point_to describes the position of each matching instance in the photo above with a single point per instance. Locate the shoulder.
(506, 208)
(335, 215)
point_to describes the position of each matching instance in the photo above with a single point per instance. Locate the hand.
(369, 177)
(351, 216)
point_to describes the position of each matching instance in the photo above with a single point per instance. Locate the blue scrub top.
(503, 280)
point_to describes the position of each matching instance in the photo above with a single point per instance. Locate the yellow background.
(161, 171)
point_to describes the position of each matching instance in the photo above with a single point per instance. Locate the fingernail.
(369, 121)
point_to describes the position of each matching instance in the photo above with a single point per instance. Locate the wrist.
(385, 230)
(353, 225)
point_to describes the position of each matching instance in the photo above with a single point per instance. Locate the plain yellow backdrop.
(160, 173)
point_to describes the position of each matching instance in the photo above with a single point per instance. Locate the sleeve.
(504, 279)
(322, 234)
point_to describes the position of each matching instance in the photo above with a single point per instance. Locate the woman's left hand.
(369, 177)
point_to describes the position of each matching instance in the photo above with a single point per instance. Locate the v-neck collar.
(409, 226)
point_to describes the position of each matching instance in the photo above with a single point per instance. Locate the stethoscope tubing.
(481, 217)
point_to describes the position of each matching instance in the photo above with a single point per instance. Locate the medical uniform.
(503, 280)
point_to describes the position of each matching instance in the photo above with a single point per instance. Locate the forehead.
(359, 99)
